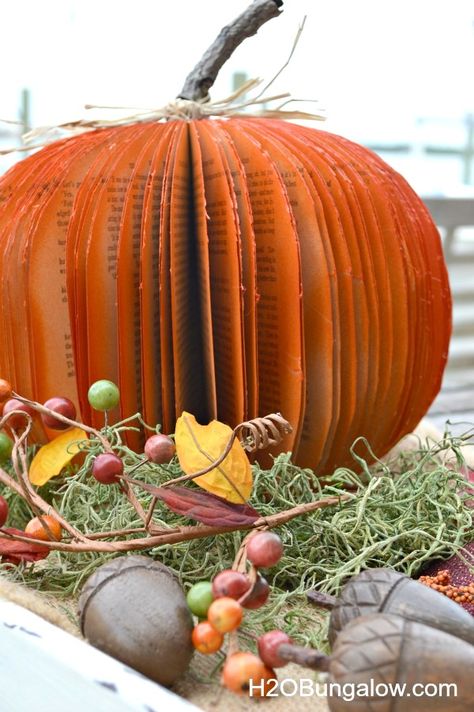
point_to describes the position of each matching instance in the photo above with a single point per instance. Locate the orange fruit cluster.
(442, 582)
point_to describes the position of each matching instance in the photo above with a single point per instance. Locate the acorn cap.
(134, 609)
(362, 595)
(379, 650)
(386, 591)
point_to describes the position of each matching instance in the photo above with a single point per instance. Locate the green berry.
(199, 598)
(6, 447)
(103, 395)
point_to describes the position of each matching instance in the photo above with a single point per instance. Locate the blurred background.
(394, 76)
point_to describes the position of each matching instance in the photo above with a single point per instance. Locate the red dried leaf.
(13, 551)
(204, 507)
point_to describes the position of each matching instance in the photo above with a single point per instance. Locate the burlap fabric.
(207, 696)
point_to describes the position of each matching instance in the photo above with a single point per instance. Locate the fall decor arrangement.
(109, 477)
(228, 266)
(169, 278)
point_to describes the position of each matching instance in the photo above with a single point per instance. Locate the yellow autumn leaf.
(53, 457)
(197, 446)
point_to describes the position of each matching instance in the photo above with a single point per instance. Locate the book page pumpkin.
(228, 267)
(266, 266)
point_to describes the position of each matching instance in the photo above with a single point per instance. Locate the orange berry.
(207, 639)
(5, 390)
(36, 529)
(225, 614)
(245, 673)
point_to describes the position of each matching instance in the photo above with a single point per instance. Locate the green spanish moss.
(400, 515)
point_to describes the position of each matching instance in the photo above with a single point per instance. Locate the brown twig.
(306, 657)
(321, 600)
(200, 80)
(185, 533)
(127, 490)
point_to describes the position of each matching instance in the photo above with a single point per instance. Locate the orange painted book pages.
(243, 214)
(328, 177)
(366, 294)
(338, 173)
(50, 335)
(200, 241)
(150, 282)
(77, 238)
(421, 328)
(318, 323)
(100, 264)
(376, 280)
(16, 264)
(164, 281)
(396, 322)
(428, 294)
(20, 294)
(192, 355)
(225, 264)
(410, 313)
(128, 281)
(9, 215)
(279, 310)
(424, 272)
(354, 314)
(14, 234)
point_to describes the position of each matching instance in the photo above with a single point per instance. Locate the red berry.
(268, 645)
(258, 597)
(264, 549)
(160, 449)
(245, 673)
(107, 468)
(3, 511)
(207, 639)
(5, 390)
(18, 420)
(225, 614)
(231, 584)
(63, 406)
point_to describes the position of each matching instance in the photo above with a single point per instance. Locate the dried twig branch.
(306, 657)
(200, 80)
(176, 536)
(321, 600)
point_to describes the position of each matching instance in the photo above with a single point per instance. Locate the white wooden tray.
(44, 669)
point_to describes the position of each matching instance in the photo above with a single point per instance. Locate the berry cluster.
(222, 602)
(59, 413)
(103, 396)
(45, 527)
(442, 583)
(57, 405)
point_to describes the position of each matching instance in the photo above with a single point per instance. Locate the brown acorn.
(134, 609)
(376, 651)
(386, 591)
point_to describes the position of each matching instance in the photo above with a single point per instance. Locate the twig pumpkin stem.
(200, 80)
